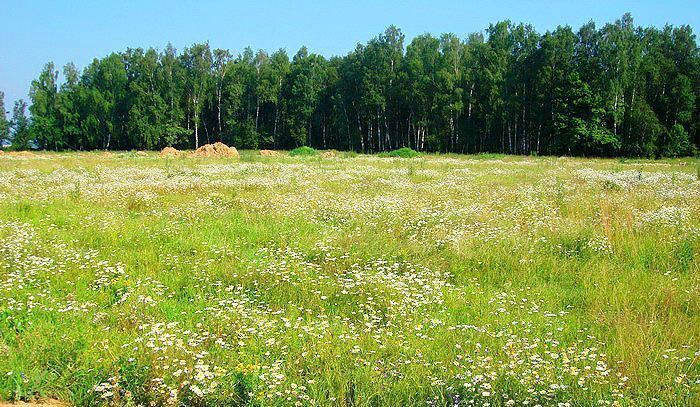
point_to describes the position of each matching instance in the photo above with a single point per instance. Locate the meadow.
(356, 280)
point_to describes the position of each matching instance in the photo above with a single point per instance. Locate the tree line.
(614, 90)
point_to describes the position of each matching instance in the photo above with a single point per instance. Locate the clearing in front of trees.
(349, 280)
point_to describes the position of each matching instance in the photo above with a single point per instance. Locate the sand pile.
(216, 150)
(270, 153)
(170, 151)
(329, 154)
(106, 154)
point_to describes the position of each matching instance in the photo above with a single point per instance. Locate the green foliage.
(403, 152)
(20, 135)
(302, 91)
(677, 143)
(648, 129)
(243, 135)
(197, 63)
(13, 323)
(45, 128)
(174, 135)
(4, 123)
(580, 117)
(303, 151)
(612, 90)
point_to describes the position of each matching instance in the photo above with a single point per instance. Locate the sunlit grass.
(351, 280)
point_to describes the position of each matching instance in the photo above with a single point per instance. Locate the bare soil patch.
(270, 153)
(170, 151)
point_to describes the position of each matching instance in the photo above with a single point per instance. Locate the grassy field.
(130, 279)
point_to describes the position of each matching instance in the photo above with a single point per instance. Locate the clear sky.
(34, 32)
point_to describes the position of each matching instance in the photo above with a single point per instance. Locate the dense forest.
(614, 90)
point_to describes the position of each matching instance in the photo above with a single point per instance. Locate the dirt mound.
(2, 152)
(270, 153)
(170, 151)
(142, 154)
(216, 150)
(329, 154)
(106, 154)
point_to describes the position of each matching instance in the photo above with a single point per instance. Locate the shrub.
(404, 152)
(677, 143)
(303, 151)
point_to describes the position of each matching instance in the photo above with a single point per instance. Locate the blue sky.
(34, 32)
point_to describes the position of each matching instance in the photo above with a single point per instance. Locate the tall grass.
(459, 280)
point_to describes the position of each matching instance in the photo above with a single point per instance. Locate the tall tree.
(450, 102)
(221, 59)
(21, 138)
(197, 60)
(4, 123)
(421, 66)
(275, 76)
(68, 107)
(171, 80)
(302, 93)
(146, 123)
(45, 127)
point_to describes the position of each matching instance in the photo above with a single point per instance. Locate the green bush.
(404, 152)
(677, 143)
(303, 151)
